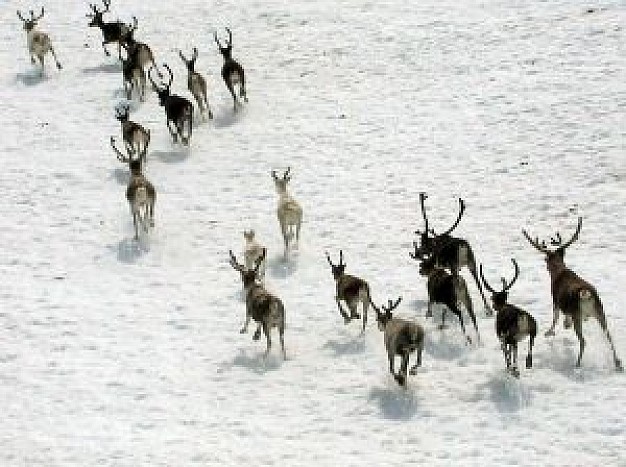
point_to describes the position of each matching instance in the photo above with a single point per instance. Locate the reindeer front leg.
(342, 312)
(244, 329)
(172, 131)
(266, 331)
(555, 318)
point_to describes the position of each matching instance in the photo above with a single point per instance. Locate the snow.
(124, 353)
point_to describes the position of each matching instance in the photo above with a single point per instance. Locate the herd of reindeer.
(440, 256)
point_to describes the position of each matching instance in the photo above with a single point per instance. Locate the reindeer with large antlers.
(39, 43)
(232, 71)
(449, 290)
(350, 289)
(289, 210)
(140, 192)
(133, 134)
(575, 297)
(449, 252)
(266, 309)
(402, 337)
(111, 32)
(512, 323)
(196, 84)
(178, 110)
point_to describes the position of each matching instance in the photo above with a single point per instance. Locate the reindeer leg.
(392, 365)
(281, 335)
(244, 329)
(605, 329)
(529, 357)
(172, 132)
(257, 334)
(418, 363)
(54, 55)
(208, 107)
(515, 370)
(401, 376)
(242, 86)
(135, 215)
(106, 52)
(488, 310)
(266, 330)
(232, 92)
(555, 318)
(365, 306)
(342, 312)
(578, 328)
(458, 313)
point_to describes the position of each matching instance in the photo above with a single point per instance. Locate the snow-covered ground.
(122, 353)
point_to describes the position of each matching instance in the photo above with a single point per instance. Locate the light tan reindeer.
(133, 134)
(575, 297)
(266, 309)
(350, 289)
(253, 252)
(140, 192)
(289, 211)
(197, 84)
(402, 337)
(39, 43)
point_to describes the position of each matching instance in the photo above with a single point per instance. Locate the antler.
(286, 176)
(195, 54)
(417, 255)
(106, 4)
(458, 219)
(217, 41)
(391, 305)
(169, 71)
(32, 15)
(230, 38)
(423, 197)
(120, 156)
(260, 260)
(341, 263)
(542, 247)
(182, 57)
(482, 276)
(234, 263)
(505, 287)
(558, 241)
(19, 15)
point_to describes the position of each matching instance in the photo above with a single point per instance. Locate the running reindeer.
(266, 309)
(575, 297)
(178, 110)
(232, 71)
(133, 134)
(446, 289)
(512, 323)
(289, 211)
(140, 193)
(39, 43)
(112, 32)
(350, 289)
(133, 77)
(138, 52)
(197, 84)
(402, 337)
(449, 252)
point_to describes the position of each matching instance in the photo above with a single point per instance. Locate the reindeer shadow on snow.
(346, 344)
(506, 392)
(175, 155)
(102, 68)
(257, 362)
(31, 77)
(130, 250)
(395, 402)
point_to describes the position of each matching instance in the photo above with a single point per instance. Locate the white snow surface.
(115, 352)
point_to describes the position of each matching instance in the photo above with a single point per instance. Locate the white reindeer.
(39, 43)
(289, 211)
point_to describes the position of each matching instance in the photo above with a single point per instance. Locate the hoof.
(243, 331)
(346, 319)
(401, 379)
(618, 365)
(549, 333)
(256, 336)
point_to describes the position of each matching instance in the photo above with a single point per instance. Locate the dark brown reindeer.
(139, 52)
(112, 32)
(133, 134)
(449, 290)
(133, 77)
(402, 337)
(197, 84)
(350, 289)
(39, 43)
(512, 323)
(178, 110)
(266, 309)
(140, 192)
(575, 297)
(449, 252)
(232, 71)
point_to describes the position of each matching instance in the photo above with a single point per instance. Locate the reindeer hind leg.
(605, 329)
(578, 328)
(54, 55)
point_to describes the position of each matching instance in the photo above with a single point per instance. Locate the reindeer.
(449, 252)
(232, 71)
(197, 84)
(289, 210)
(266, 309)
(134, 77)
(111, 32)
(449, 290)
(178, 110)
(140, 193)
(39, 43)
(138, 52)
(352, 290)
(133, 134)
(254, 252)
(512, 323)
(575, 297)
(402, 337)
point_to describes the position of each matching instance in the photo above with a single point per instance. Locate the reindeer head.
(429, 239)
(338, 270)
(228, 50)
(248, 235)
(191, 63)
(121, 112)
(128, 36)
(96, 16)
(428, 264)
(554, 258)
(281, 182)
(499, 298)
(248, 276)
(384, 318)
(29, 24)
(163, 90)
